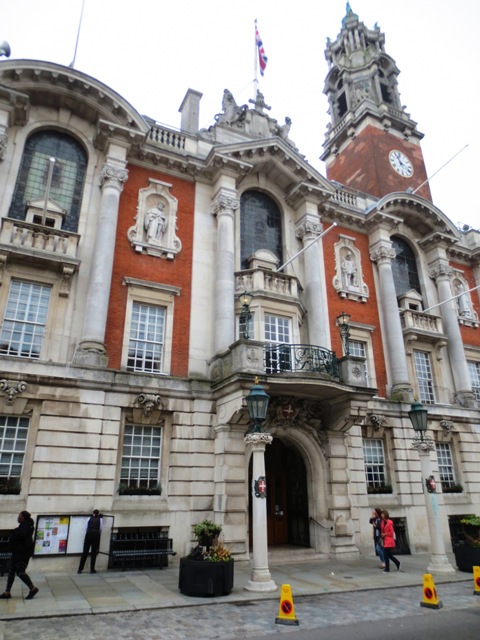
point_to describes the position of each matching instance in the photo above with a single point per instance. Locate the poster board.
(64, 534)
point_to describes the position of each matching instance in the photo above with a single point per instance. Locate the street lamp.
(245, 315)
(257, 405)
(343, 322)
(424, 444)
(5, 49)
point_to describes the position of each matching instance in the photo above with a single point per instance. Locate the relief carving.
(348, 280)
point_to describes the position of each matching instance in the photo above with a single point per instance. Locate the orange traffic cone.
(286, 611)
(476, 581)
(430, 598)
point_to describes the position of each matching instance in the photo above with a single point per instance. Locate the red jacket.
(388, 534)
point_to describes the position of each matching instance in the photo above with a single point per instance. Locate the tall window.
(359, 349)
(278, 356)
(404, 268)
(25, 318)
(260, 226)
(67, 179)
(374, 457)
(13, 443)
(445, 465)
(141, 458)
(474, 368)
(147, 337)
(423, 370)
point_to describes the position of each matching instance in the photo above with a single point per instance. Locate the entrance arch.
(287, 495)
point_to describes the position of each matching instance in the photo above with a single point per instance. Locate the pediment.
(52, 206)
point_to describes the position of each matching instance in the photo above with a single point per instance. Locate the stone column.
(308, 229)
(439, 562)
(224, 206)
(261, 579)
(401, 390)
(441, 272)
(92, 350)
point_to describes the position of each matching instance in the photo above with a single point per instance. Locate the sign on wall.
(63, 534)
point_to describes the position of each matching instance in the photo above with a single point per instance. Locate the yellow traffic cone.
(286, 611)
(476, 581)
(430, 598)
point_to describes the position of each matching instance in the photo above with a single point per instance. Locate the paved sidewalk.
(65, 594)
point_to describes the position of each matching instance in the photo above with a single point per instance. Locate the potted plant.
(467, 546)
(208, 569)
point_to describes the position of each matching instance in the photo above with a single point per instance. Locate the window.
(445, 467)
(147, 334)
(374, 456)
(359, 349)
(246, 326)
(474, 368)
(423, 370)
(278, 356)
(260, 226)
(25, 318)
(404, 268)
(67, 179)
(140, 471)
(13, 443)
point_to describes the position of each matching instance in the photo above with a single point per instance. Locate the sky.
(152, 51)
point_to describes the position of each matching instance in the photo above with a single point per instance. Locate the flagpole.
(255, 63)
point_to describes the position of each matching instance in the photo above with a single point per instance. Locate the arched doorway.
(287, 497)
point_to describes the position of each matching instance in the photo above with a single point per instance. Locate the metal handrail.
(296, 358)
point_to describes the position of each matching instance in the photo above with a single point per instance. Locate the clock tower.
(371, 144)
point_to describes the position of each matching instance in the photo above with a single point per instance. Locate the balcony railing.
(37, 238)
(299, 358)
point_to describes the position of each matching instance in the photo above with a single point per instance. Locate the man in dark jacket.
(21, 546)
(92, 541)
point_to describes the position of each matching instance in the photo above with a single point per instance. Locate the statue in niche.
(462, 301)
(155, 223)
(349, 272)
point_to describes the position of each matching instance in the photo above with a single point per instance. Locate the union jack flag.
(262, 58)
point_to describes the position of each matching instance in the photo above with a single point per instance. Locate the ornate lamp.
(418, 418)
(245, 315)
(257, 405)
(343, 322)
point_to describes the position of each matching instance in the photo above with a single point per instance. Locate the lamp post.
(439, 562)
(343, 322)
(257, 404)
(245, 315)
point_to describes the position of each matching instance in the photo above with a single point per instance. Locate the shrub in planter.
(467, 550)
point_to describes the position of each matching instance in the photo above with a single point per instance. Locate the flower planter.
(204, 578)
(466, 556)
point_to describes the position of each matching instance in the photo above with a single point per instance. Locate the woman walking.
(21, 545)
(388, 536)
(376, 522)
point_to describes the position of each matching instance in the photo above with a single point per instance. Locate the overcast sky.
(152, 51)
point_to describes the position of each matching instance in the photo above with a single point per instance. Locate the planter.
(466, 556)
(204, 578)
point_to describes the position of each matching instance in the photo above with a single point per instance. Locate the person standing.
(21, 546)
(388, 536)
(92, 541)
(376, 522)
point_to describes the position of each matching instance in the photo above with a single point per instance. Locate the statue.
(284, 130)
(231, 111)
(462, 299)
(155, 223)
(349, 272)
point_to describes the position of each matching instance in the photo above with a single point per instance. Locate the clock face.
(401, 163)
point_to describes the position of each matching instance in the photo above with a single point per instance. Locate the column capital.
(225, 202)
(113, 173)
(308, 228)
(440, 270)
(382, 252)
(258, 438)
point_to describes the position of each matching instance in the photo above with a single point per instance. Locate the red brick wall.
(364, 312)
(176, 272)
(364, 165)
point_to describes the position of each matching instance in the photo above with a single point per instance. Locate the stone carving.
(12, 389)
(231, 111)
(113, 173)
(465, 310)
(155, 226)
(149, 402)
(447, 426)
(3, 141)
(348, 280)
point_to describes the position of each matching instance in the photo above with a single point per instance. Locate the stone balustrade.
(424, 322)
(268, 282)
(38, 238)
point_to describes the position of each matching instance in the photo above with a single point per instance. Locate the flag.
(262, 58)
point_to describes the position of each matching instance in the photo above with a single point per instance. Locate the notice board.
(64, 534)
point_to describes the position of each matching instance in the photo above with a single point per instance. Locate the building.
(127, 350)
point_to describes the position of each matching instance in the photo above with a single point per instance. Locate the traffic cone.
(430, 598)
(286, 611)
(476, 581)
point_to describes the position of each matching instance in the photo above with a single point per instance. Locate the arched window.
(67, 179)
(404, 267)
(260, 226)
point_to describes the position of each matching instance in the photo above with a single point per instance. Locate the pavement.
(113, 591)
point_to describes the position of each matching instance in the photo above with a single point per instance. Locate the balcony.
(268, 282)
(41, 245)
(299, 358)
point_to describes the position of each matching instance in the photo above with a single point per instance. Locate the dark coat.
(21, 542)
